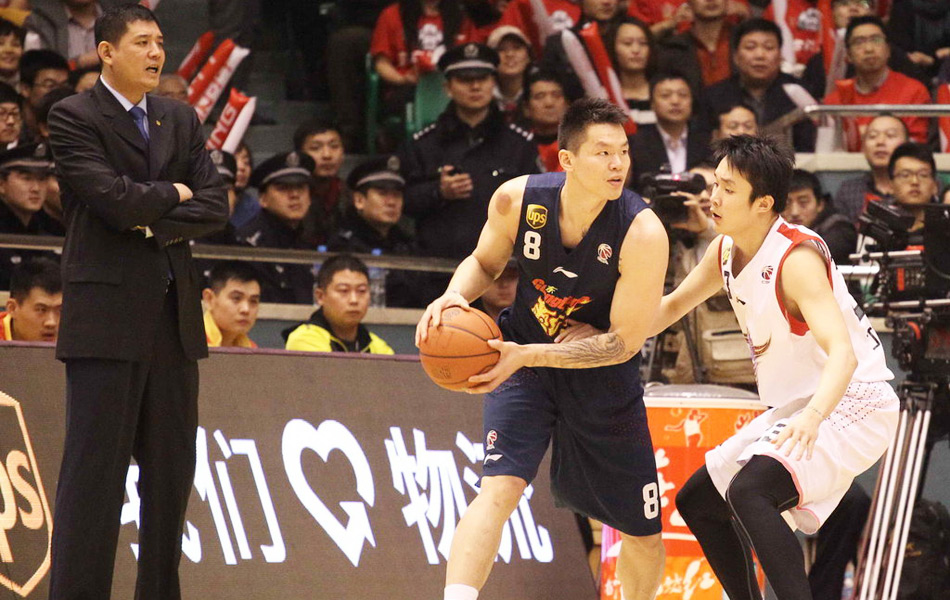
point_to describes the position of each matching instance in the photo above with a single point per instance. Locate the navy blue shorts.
(602, 462)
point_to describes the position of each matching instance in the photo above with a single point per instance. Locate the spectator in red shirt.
(411, 35)
(702, 53)
(874, 82)
(36, 297)
(561, 14)
(632, 51)
(802, 32)
(544, 105)
(666, 16)
(514, 55)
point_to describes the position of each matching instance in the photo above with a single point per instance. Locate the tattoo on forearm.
(596, 351)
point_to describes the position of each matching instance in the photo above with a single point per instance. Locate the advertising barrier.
(318, 476)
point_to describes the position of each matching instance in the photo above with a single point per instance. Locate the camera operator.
(914, 173)
(808, 205)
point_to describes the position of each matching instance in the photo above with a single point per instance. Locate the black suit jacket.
(114, 278)
(648, 153)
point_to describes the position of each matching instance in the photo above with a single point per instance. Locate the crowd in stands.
(690, 72)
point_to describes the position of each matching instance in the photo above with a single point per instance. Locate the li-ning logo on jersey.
(552, 311)
(604, 252)
(767, 272)
(490, 440)
(536, 216)
(566, 273)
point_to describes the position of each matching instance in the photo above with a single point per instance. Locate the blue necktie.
(139, 115)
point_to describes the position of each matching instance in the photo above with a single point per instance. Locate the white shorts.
(850, 441)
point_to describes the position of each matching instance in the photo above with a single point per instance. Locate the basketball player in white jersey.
(819, 366)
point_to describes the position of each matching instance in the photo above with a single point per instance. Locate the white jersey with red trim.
(788, 361)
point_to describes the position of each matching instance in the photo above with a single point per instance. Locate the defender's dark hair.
(337, 263)
(763, 162)
(40, 272)
(34, 61)
(911, 150)
(755, 25)
(806, 180)
(863, 20)
(313, 127)
(10, 28)
(610, 42)
(583, 113)
(114, 22)
(669, 75)
(224, 271)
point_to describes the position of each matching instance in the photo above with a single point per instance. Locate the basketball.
(458, 348)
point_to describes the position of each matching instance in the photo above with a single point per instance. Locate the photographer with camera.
(671, 140)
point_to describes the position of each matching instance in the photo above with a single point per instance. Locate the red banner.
(236, 103)
(197, 55)
(208, 72)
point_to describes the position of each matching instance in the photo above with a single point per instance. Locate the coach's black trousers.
(116, 410)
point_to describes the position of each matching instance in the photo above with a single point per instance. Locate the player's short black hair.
(806, 180)
(337, 263)
(911, 150)
(313, 127)
(668, 75)
(10, 28)
(34, 61)
(863, 20)
(765, 163)
(115, 21)
(755, 25)
(583, 113)
(39, 272)
(223, 272)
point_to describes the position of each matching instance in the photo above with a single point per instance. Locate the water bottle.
(316, 267)
(377, 283)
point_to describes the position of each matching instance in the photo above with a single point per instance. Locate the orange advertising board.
(685, 422)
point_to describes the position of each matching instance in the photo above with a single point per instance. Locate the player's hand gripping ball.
(458, 348)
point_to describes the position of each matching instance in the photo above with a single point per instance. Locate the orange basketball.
(458, 348)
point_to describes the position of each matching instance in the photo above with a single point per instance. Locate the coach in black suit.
(136, 185)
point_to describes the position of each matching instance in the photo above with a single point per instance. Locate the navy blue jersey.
(556, 283)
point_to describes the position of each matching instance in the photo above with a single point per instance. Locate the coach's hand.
(433, 314)
(184, 192)
(801, 433)
(513, 357)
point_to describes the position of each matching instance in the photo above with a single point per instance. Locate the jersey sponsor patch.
(536, 216)
(551, 311)
(604, 252)
(490, 440)
(767, 271)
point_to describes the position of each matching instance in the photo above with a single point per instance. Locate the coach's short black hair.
(337, 263)
(863, 20)
(10, 28)
(755, 25)
(114, 22)
(583, 113)
(911, 150)
(39, 272)
(313, 127)
(763, 162)
(34, 61)
(223, 272)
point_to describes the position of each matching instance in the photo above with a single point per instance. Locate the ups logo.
(25, 521)
(536, 216)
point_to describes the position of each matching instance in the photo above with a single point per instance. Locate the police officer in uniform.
(23, 172)
(284, 183)
(453, 166)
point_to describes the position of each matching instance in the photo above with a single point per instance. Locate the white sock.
(460, 591)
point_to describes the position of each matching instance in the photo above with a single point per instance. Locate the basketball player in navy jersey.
(592, 259)
(819, 366)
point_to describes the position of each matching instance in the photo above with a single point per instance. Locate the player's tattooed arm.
(596, 351)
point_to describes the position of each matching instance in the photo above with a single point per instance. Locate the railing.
(269, 255)
(860, 110)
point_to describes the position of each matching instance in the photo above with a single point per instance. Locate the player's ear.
(764, 203)
(566, 158)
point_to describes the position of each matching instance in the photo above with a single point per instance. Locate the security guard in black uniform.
(21, 209)
(284, 182)
(453, 166)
